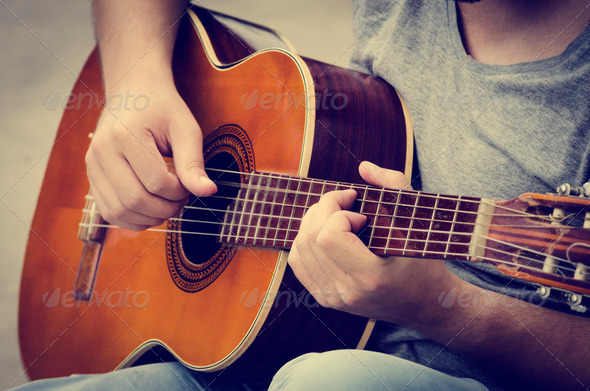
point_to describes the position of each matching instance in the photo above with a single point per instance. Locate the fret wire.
(454, 222)
(393, 217)
(252, 201)
(363, 200)
(224, 224)
(265, 194)
(272, 210)
(236, 215)
(372, 247)
(274, 242)
(241, 214)
(429, 234)
(292, 211)
(376, 217)
(411, 225)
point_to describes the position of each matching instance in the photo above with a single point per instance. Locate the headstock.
(544, 239)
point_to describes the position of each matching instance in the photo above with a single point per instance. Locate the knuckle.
(119, 133)
(352, 300)
(107, 215)
(155, 185)
(117, 213)
(88, 157)
(372, 283)
(321, 299)
(133, 200)
(298, 244)
(311, 209)
(325, 240)
(337, 299)
(101, 144)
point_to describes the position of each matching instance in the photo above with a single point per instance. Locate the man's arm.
(513, 338)
(131, 184)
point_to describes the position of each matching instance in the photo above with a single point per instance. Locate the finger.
(109, 205)
(126, 193)
(383, 177)
(344, 221)
(148, 164)
(186, 140)
(298, 267)
(339, 241)
(136, 198)
(311, 273)
(334, 201)
(338, 233)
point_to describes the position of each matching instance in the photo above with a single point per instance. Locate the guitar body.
(235, 308)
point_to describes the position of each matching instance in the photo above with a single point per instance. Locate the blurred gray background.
(43, 45)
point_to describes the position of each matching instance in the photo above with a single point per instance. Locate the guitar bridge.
(91, 231)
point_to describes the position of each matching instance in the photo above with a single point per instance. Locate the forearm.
(516, 339)
(136, 38)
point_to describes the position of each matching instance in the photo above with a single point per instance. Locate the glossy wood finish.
(135, 304)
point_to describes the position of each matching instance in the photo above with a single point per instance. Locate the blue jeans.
(336, 370)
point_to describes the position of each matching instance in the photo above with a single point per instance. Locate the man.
(522, 67)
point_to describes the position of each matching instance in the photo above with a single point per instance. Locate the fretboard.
(269, 207)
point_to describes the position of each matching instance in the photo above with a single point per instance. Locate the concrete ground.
(43, 46)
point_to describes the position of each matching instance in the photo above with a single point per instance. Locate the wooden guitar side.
(136, 305)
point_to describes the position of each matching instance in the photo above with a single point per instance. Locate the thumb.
(383, 177)
(186, 140)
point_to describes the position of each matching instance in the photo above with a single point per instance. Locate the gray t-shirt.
(480, 130)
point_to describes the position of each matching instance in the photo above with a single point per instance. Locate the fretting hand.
(342, 273)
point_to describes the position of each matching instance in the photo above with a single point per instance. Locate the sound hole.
(202, 219)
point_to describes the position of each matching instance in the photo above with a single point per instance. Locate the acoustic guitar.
(212, 287)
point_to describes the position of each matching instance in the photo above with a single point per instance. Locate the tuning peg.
(578, 191)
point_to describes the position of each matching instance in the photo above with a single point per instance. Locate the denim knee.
(364, 370)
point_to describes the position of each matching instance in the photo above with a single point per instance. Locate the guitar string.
(305, 207)
(387, 227)
(244, 240)
(257, 187)
(436, 209)
(313, 181)
(392, 203)
(419, 195)
(351, 185)
(272, 203)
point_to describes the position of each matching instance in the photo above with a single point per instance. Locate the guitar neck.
(269, 207)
